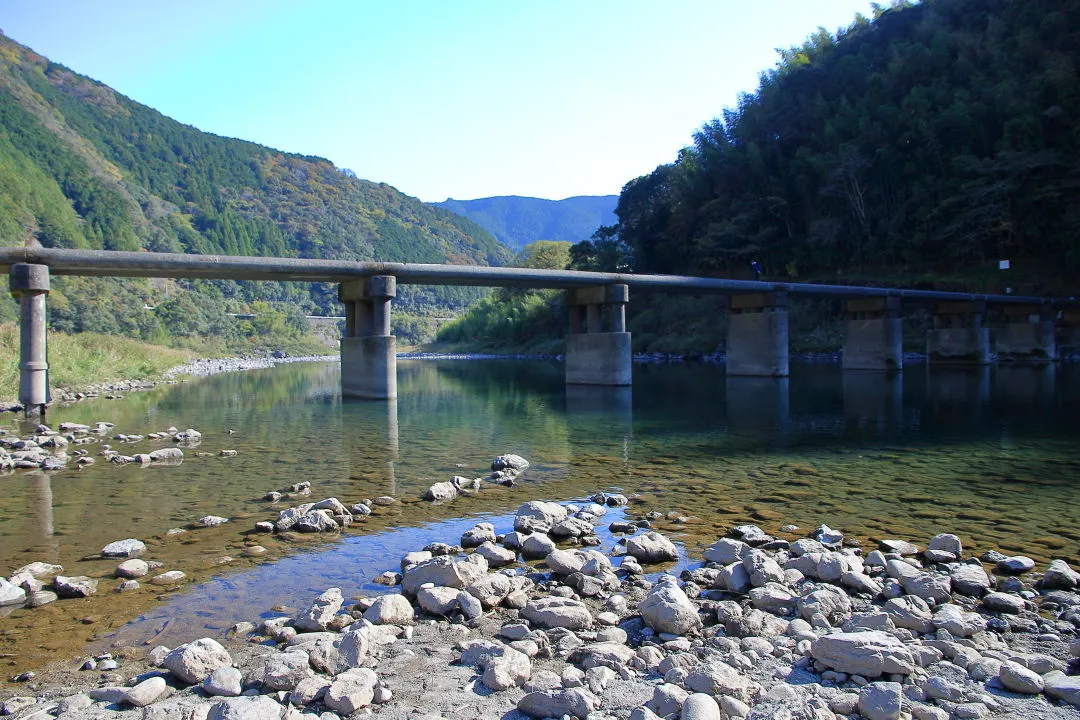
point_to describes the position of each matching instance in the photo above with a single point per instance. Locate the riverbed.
(991, 454)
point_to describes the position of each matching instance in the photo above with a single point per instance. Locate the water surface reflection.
(990, 454)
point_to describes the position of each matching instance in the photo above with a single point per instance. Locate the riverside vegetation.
(78, 361)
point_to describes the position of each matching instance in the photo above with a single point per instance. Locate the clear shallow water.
(991, 454)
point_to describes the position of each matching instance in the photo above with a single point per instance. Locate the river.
(991, 454)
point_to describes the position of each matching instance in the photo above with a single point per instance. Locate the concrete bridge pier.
(959, 336)
(30, 285)
(757, 341)
(1026, 334)
(598, 346)
(872, 337)
(368, 350)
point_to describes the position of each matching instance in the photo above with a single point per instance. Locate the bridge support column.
(872, 339)
(757, 341)
(30, 285)
(1026, 334)
(368, 350)
(958, 336)
(598, 353)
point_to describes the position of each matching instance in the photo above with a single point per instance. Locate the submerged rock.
(441, 491)
(513, 462)
(74, 587)
(123, 548)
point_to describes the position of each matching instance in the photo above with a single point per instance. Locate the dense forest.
(82, 166)
(916, 147)
(517, 221)
(939, 136)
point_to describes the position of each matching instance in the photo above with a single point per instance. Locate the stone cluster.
(53, 450)
(505, 470)
(38, 584)
(764, 629)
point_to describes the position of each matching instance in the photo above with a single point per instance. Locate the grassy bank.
(87, 358)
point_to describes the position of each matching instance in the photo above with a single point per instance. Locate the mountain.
(82, 166)
(517, 221)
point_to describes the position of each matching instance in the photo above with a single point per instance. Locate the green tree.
(544, 255)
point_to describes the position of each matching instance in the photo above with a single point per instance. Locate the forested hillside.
(936, 137)
(517, 221)
(918, 147)
(82, 166)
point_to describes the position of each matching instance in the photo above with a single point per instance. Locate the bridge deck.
(105, 263)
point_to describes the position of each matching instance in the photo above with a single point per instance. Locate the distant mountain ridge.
(517, 221)
(82, 166)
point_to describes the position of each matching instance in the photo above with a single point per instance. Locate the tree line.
(931, 139)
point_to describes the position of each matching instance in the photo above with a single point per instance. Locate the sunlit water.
(990, 454)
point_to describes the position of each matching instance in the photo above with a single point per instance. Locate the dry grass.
(86, 358)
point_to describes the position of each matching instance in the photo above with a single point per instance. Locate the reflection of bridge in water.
(598, 345)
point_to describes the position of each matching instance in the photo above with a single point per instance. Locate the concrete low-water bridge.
(597, 345)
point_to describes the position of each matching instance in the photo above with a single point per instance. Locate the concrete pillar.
(757, 342)
(601, 354)
(958, 336)
(872, 339)
(30, 285)
(368, 350)
(1026, 334)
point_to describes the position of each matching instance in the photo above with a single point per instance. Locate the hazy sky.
(439, 98)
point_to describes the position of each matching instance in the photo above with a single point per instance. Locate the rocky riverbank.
(200, 367)
(542, 619)
(205, 367)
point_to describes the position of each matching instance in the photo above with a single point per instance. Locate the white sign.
(1003, 264)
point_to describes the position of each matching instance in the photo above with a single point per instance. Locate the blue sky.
(439, 98)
